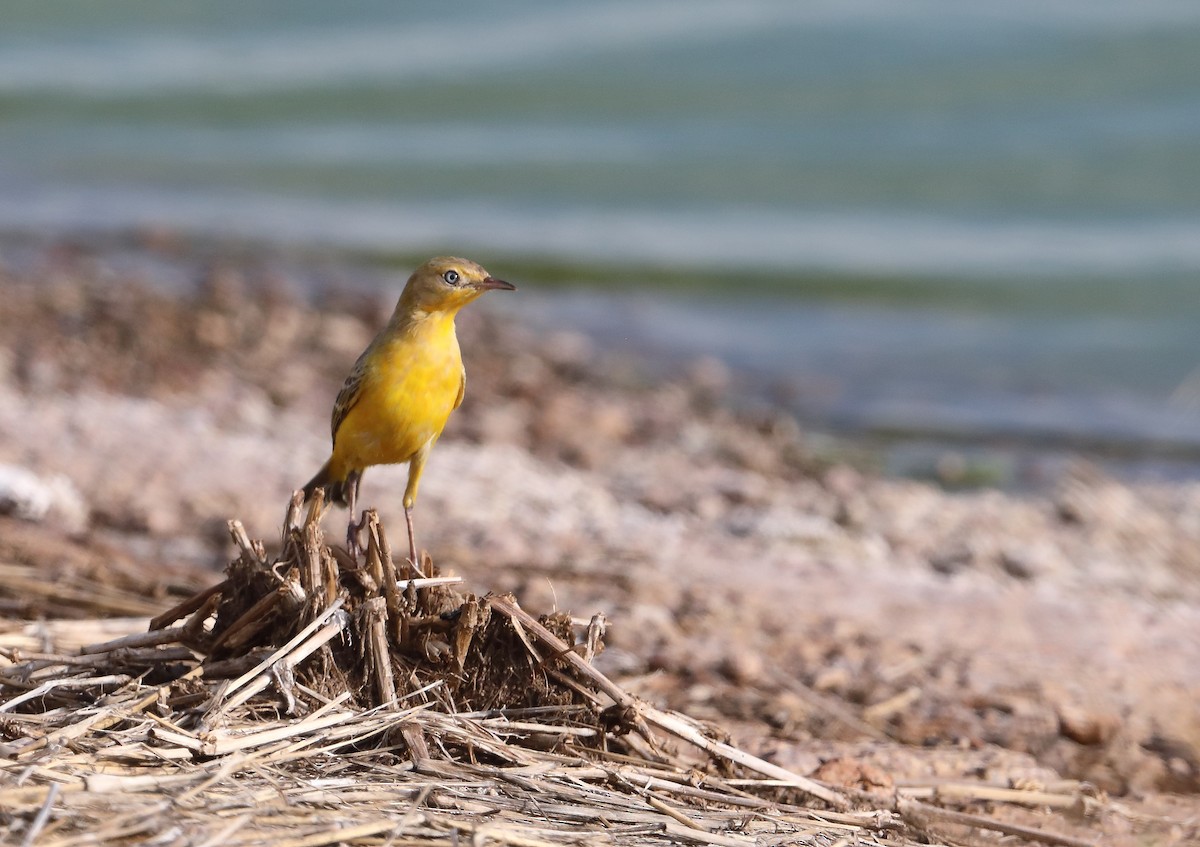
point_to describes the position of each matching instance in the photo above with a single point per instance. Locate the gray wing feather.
(351, 391)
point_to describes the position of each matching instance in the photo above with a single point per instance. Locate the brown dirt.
(819, 613)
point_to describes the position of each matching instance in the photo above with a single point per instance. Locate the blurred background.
(930, 224)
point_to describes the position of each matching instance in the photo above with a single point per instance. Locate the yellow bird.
(403, 387)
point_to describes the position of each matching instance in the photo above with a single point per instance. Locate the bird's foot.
(353, 547)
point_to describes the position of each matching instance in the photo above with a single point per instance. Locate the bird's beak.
(490, 282)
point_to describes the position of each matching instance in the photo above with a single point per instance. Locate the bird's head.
(446, 284)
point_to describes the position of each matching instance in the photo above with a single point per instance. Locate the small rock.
(832, 680)
(25, 495)
(852, 774)
(1085, 727)
(742, 666)
(1018, 565)
(952, 560)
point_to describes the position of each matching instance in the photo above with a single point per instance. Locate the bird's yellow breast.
(411, 383)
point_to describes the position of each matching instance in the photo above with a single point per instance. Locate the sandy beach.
(811, 608)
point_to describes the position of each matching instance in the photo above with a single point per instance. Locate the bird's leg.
(412, 542)
(415, 465)
(355, 525)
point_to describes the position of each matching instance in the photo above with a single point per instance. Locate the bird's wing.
(462, 389)
(350, 393)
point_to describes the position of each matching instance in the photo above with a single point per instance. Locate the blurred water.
(1011, 149)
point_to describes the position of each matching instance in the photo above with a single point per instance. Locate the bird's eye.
(451, 277)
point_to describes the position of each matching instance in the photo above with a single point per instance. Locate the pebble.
(51, 498)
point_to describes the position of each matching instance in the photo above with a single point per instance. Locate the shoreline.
(999, 436)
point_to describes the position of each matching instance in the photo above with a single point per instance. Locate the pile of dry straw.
(315, 699)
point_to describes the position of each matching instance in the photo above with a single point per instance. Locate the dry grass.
(314, 699)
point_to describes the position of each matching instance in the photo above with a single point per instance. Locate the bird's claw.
(353, 547)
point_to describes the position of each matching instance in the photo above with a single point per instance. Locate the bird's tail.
(336, 490)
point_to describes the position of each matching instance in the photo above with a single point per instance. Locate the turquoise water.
(988, 211)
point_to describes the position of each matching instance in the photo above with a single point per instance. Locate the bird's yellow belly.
(403, 405)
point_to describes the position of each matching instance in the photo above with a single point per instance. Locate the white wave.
(528, 36)
(729, 237)
(361, 144)
(450, 48)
